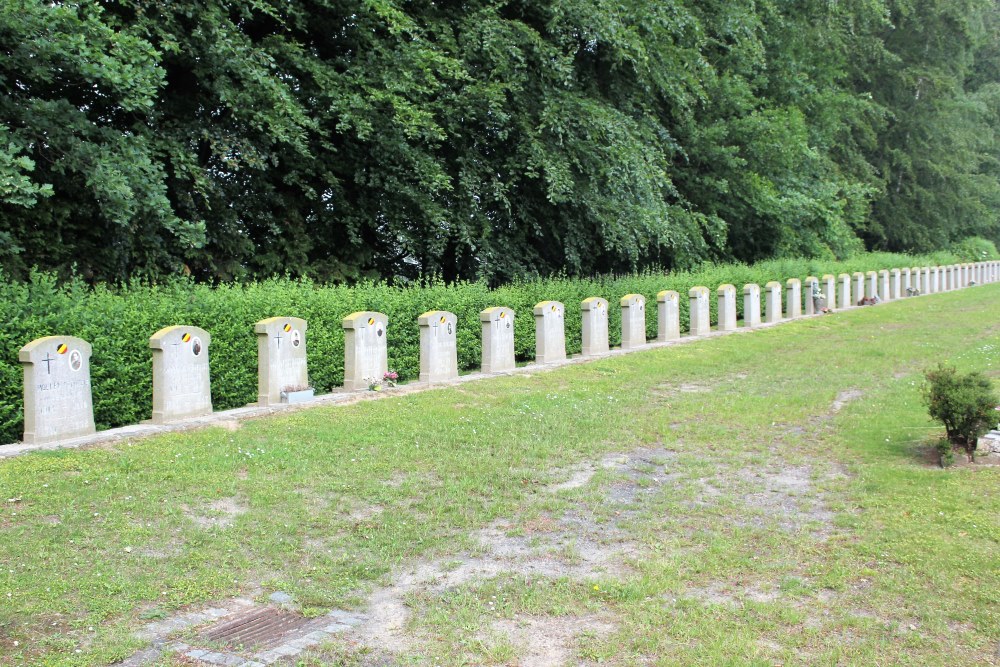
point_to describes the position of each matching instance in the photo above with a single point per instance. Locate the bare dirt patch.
(549, 641)
(217, 514)
(843, 398)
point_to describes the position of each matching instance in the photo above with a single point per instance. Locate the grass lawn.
(762, 499)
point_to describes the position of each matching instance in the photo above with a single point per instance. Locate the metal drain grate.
(258, 628)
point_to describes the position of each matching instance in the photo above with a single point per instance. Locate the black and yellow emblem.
(62, 348)
(288, 327)
(371, 321)
(186, 337)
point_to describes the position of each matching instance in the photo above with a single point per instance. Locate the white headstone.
(772, 302)
(935, 286)
(871, 285)
(438, 346)
(830, 290)
(57, 398)
(727, 307)
(859, 286)
(366, 357)
(810, 290)
(633, 321)
(668, 320)
(182, 385)
(550, 332)
(883, 285)
(699, 314)
(895, 284)
(793, 298)
(281, 358)
(751, 305)
(595, 326)
(498, 339)
(845, 291)
(925, 280)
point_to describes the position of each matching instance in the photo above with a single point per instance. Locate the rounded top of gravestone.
(594, 303)
(859, 273)
(829, 276)
(436, 317)
(773, 285)
(844, 275)
(549, 308)
(280, 324)
(792, 282)
(667, 295)
(871, 273)
(883, 271)
(750, 288)
(812, 279)
(195, 337)
(496, 314)
(61, 346)
(632, 300)
(364, 318)
(726, 289)
(894, 271)
(698, 291)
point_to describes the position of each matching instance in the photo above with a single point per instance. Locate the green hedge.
(118, 322)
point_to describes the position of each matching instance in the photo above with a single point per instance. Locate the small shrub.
(946, 452)
(965, 404)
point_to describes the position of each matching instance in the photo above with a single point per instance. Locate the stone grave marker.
(438, 346)
(871, 284)
(883, 285)
(699, 314)
(498, 339)
(772, 302)
(925, 280)
(751, 305)
(366, 356)
(58, 404)
(845, 291)
(793, 298)
(633, 321)
(668, 320)
(830, 290)
(182, 385)
(809, 289)
(935, 284)
(595, 326)
(895, 284)
(727, 307)
(550, 332)
(859, 286)
(906, 282)
(281, 359)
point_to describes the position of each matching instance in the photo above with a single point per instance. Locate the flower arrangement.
(388, 379)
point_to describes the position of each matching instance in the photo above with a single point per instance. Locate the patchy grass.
(755, 500)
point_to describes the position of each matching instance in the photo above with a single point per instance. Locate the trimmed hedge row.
(118, 322)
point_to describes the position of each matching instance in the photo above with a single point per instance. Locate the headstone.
(182, 385)
(550, 332)
(871, 285)
(934, 285)
(883, 285)
(438, 346)
(668, 320)
(57, 400)
(498, 339)
(809, 292)
(727, 307)
(595, 326)
(751, 305)
(366, 359)
(859, 286)
(830, 290)
(895, 284)
(699, 313)
(793, 298)
(925, 280)
(772, 302)
(281, 358)
(633, 321)
(915, 280)
(845, 291)
(906, 282)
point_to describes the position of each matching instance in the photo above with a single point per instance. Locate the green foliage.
(119, 321)
(965, 404)
(345, 140)
(974, 249)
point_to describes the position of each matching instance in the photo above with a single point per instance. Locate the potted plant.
(297, 394)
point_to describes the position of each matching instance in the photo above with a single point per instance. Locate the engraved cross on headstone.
(48, 359)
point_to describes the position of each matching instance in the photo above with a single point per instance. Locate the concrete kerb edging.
(146, 429)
